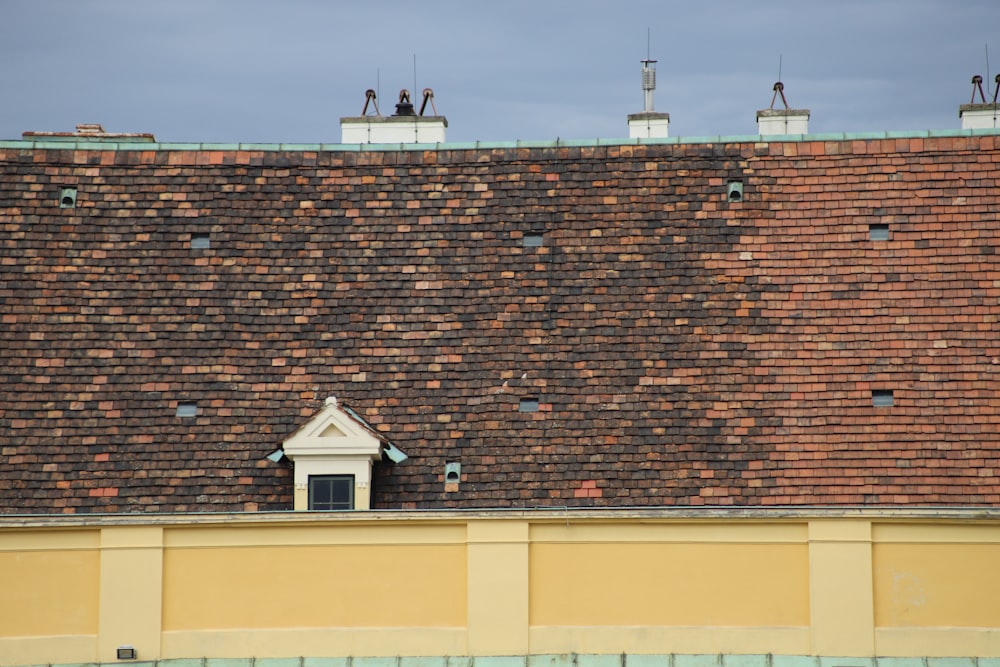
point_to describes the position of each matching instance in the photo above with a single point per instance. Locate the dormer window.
(333, 455)
(331, 492)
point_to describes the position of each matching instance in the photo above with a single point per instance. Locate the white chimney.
(981, 115)
(649, 124)
(406, 126)
(771, 121)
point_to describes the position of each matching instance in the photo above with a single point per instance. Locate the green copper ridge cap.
(125, 145)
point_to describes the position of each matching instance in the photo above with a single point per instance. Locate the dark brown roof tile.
(683, 349)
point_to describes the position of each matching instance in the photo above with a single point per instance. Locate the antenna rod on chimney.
(648, 83)
(648, 77)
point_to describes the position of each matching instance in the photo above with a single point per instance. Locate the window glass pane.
(340, 492)
(321, 493)
(331, 492)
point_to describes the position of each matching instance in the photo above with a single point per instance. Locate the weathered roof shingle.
(684, 349)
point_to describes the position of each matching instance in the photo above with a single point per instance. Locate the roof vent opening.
(187, 410)
(533, 240)
(67, 198)
(734, 191)
(201, 241)
(452, 473)
(528, 404)
(882, 398)
(878, 232)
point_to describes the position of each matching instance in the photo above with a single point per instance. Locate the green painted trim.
(552, 660)
(363, 662)
(951, 662)
(215, 662)
(612, 660)
(846, 662)
(651, 660)
(746, 661)
(794, 661)
(684, 660)
(304, 148)
(500, 661)
(903, 662)
(322, 662)
(276, 662)
(419, 661)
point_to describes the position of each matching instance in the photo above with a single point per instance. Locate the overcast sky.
(287, 70)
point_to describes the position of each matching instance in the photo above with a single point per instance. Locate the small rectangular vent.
(529, 404)
(878, 232)
(201, 241)
(67, 198)
(187, 410)
(734, 191)
(882, 398)
(533, 240)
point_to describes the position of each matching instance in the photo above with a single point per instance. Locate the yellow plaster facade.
(822, 583)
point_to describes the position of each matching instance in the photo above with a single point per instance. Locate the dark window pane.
(331, 492)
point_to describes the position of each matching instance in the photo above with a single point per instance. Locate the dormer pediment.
(334, 432)
(333, 454)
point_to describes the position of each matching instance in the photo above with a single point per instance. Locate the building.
(554, 351)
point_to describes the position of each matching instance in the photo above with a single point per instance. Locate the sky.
(228, 71)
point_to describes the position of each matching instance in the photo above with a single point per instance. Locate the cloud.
(250, 70)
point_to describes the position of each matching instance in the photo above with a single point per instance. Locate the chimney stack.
(980, 115)
(649, 124)
(772, 122)
(406, 126)
(91, 132)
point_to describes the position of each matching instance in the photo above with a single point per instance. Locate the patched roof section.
(683, 348)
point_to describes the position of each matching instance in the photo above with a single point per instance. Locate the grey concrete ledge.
(544, 514)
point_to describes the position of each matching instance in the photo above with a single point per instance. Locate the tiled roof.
(683, 349)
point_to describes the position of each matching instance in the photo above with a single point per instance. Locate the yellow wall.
(49, 583)
(499, 583)
(600, 580)
(314, 586)
(936, 583)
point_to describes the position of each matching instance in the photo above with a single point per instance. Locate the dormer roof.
(335, 430)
